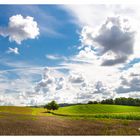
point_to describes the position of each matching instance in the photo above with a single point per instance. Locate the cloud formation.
(107, 42)
(121, 21)
(113, 43)
(49, 84)
(20, 28)
(116, 36)
(130, 80)
(76, 78)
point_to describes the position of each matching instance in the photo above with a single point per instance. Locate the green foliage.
(52, 106)
(127, 101)
(122, 101)
(95, 102)
(107, 101)
(92, 102)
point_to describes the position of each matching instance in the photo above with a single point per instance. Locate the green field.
(87, 111)
(100, 111)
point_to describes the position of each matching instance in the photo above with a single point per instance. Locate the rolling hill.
(100, 111)
(86, 111)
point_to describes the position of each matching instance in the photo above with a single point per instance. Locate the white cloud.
(13, 50)
(82, 83)
(20, 28)
(107, 39)
(112, 44)
(86, 16)
(55, 57)
(50, 83)
(76, 78)
(130, 80)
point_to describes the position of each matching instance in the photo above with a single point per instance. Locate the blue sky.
(58, 39)
(64, 51)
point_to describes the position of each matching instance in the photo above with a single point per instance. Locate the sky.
(68, 53)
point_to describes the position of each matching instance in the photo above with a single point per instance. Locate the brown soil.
(52, 125)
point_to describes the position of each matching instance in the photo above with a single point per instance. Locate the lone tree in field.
(52, 106)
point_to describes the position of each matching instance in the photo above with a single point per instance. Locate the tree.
(90, 102)
(52, 106)
(107, 101)
(95, 102)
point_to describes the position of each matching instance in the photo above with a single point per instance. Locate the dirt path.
(51, 125)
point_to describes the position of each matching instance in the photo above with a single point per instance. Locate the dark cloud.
(116, 37)
(114, 61)
(129, 84)
(76, 78)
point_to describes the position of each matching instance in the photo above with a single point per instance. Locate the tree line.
(119, 101)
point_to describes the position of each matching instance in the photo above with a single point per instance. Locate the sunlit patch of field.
(16, 110)
(23, 110)
(100, 111)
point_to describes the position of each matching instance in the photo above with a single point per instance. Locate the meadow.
(90, 111)
(88, 119)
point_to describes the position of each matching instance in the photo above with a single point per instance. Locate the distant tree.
(137, 102)
(130, 101)
(107, 101)
(90, 102)
(122, 101)
(52, 106)
(127, 101)
(95, 102)
(103, 102)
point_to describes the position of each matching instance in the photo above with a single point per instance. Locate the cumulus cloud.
(76, 78)
(111, 34)
(48, 83)
(130, 80)
(13, 50)
(113, 43)
(106, 40)
(20, 28)
(129, 85)
(117, 37)
(75, 86)
(87, 54)
(60, 83)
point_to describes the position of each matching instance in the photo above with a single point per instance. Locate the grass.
(100, 111)
(24, 110)
(87, 111)
(16, 110)
(97, 108)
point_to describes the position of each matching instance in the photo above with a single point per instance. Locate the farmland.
(71, 120)
(101, 111)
